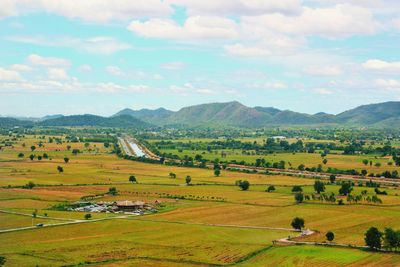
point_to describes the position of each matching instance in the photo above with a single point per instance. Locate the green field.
(210, 223)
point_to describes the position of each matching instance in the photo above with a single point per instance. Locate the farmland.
(210, 222)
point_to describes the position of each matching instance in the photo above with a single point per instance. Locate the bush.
(330, 236)
(270, 188)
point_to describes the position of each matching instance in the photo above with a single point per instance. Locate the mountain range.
(382, 115)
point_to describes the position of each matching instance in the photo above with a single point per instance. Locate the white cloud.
(47, 61)
(9, 75)
(7, 8)
(381, 65)
(269, 85)
(139, 88)
(194, 28)
(275, 85)
(323, 70)
(205, 91)
(323, 91)
(57, 74)
(340, 21)
(246, 51)
(85, 68)
(99, 11)
(238, 7)
(389, 84)
(104, 45)
(114, 70)
(396, 23)
(173, 65)
(21, 67)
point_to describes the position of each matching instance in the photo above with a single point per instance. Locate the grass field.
(211, 223)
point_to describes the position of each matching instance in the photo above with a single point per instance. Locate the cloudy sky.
(99, 56)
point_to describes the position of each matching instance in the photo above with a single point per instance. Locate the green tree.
(299, 197)
(132, 179)
(319, 186)
(217, 172)
(66, 160)
(188, 179)
(33, 148)
(2, 260)
(332, 178)
(244, 185)
(172, 175)
(75, 151)
(346, 188)
(330, 236)
(391, 238)
(301, 167)
(32, 156)
(34, 213)
(88, 216)
(325, 161)
(365, 161)
(297, 223)
(60, 169)
(21, 155)
(373, 238)
(112, 191)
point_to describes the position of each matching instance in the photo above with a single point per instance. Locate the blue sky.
(94, 56)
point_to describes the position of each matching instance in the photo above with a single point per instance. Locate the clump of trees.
(389, 239)
(243, 185)
(29, 185)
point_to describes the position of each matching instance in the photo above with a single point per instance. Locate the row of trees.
(389, 239)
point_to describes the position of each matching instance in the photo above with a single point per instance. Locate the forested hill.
(236, 114)
(382, 115)
(93, 120)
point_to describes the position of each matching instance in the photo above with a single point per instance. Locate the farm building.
(128, 205)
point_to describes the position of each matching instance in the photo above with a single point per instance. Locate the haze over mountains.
(385, 115)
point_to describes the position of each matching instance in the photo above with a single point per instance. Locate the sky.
(98, 56)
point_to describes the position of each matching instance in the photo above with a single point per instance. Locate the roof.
(128, 203)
